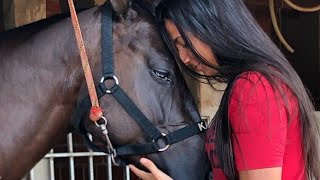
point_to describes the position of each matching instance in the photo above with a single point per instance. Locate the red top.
(262, 138)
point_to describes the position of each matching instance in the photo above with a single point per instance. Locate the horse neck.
(40, 80)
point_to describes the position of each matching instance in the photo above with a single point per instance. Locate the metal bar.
(109, 168)
(51, 166)
(31, 175)
(71, 159)
(91, 168)
(77, 154)
(127, 173)
(71, 155)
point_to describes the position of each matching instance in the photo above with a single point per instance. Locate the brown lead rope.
(95, 111)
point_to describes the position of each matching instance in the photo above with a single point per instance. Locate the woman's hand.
(156, 174)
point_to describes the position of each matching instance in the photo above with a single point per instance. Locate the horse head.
(148, 74)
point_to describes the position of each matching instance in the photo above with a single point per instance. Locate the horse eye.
(162, 74)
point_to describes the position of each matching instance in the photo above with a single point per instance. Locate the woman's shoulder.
(255, 89)
(253, 101)
(257, 81)
(250, 81)
(250, 78)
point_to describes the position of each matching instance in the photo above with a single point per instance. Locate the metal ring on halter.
(113, 77)
(167, 145)
(105, 121)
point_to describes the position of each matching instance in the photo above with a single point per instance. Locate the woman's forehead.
(172, 29)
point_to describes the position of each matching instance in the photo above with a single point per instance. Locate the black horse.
(42, 80)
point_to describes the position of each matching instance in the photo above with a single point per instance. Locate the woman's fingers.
(141, 174)
(157, 173)
(149, 165)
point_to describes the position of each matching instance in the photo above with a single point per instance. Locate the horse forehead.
(140, 39)
(139, 32)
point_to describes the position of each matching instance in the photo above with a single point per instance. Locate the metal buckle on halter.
(112, 151)
(109, 77)
(115, 160)
(165, 140)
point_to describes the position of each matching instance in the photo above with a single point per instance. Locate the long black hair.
(239, 45)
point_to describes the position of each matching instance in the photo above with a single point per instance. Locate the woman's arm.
(261, 174)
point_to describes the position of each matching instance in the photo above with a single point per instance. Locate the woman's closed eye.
(179, 42)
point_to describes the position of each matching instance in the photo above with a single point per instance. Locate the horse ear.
(120, 6)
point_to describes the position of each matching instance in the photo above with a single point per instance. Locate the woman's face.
(186, 54)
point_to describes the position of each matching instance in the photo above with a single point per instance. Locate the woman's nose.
(195, 65)
(186, 60)
(184, 55)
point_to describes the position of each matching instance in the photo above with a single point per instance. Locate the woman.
(265, 127)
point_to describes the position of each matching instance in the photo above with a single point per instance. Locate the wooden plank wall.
(18, 12)
(15, 13)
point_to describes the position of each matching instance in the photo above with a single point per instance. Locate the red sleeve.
(259, 122)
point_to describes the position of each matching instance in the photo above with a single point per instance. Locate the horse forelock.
(128, 33)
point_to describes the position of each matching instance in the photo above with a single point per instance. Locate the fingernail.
(143, 160)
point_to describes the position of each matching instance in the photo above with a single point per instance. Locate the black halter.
(116, 91)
